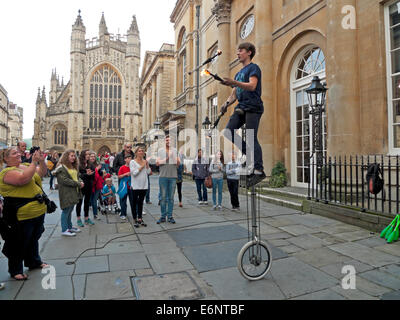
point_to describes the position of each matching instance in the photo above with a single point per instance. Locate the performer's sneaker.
(255, 178)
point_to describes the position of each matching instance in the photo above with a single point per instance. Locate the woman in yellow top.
(19, 180)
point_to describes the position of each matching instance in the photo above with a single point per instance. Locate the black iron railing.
(342, 180)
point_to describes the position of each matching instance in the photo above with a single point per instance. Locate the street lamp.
(207, 126)
(316, 99)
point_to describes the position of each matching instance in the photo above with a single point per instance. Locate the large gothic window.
(60, 135)
(105, 99)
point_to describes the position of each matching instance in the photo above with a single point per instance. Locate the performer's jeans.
(233, 187)
(167, 190)
(217, 184)
(66, 222)
(252, 121)
(136, 199)
(200, 183)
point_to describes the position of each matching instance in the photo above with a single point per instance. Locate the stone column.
(144, 119)
(264, 58)
(222, 11)
(154, 100)
(159, 89)
(149, 102)
(343, 107)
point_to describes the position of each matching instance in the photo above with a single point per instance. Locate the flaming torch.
(206, 73)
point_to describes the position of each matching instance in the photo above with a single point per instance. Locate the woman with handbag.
(217, 169)
(24, 211)
(69, 189)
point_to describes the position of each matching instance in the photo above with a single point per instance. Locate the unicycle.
(254, 259)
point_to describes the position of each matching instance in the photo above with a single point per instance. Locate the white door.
(310, 63)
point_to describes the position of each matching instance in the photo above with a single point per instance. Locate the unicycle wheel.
(254, 260)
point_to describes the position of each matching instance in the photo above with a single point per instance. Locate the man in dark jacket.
(119, 159)
(200, 172)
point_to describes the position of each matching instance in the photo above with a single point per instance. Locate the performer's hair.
(249, 47)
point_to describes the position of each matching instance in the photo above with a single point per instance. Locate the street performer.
(247, 90)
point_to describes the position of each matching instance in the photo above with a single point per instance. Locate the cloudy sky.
(35, 38)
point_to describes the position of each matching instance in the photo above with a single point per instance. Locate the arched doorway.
(103, 150)
(309, 63)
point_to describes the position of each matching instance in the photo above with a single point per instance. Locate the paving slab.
(382, 279)
(169, 262)
(321, 257)
(163, 247)
(326, 294)
(290, 249)
(276, 236)
(264, 228)
(109, 285)
(372, 242)
(371, 288)
(11, 289)
(102, 228)
(128, 261)
(395, 295)
(393, 269)
(34, 289)
(295, 278)
(279, 242)
(124, 227)
(193, 237)
(278, 221)
(155, 238)
(298, 230)
(228, 284)
(328, 238)
(92, 265)
(335, 269)
(338, 228)
(101, 239)
(119, 247)
(173, 286)
(307, 241)
(311, 221)
(365, 254)
(69, 247)
(351, 294)
(390, 249)
(354, 235)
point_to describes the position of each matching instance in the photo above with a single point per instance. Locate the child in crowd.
(109, 195)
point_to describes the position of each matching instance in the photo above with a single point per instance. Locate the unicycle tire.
(247, 252)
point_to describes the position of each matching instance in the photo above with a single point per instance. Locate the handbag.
(50, 204)
(208, 182)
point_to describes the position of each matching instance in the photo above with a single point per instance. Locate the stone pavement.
(196, 257)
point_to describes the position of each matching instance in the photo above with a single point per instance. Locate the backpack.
(374, 178)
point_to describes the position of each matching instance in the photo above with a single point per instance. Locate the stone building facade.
(4, 129)
(15, 123)
(157, 88)
(352, 45)
(98, 108)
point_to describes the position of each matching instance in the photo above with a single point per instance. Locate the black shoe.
(255, 179)
(136, 225)
(161, 220)
(171, 220)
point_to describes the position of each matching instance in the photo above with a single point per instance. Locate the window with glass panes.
(392, 18)
(105, 99)
(312, 62)
(60, 135)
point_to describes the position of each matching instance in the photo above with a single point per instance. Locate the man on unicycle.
(247, 90)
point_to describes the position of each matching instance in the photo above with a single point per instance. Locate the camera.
(34, 149)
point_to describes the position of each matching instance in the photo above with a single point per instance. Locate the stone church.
(98, 109)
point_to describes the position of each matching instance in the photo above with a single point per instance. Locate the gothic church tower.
(98, 108)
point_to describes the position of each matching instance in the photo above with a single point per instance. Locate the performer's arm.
(231, 100)
(248, 86)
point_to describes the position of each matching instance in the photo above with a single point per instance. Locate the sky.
(35, 39)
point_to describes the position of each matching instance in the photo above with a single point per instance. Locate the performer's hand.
(228, 82)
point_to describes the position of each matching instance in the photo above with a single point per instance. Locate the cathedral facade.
(98, 109)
